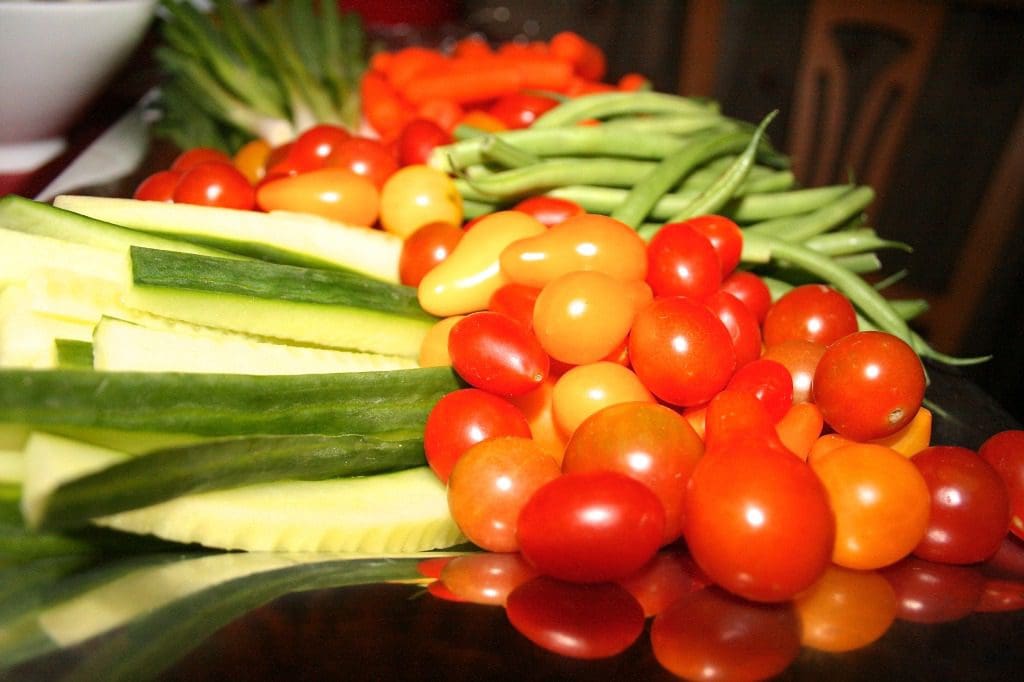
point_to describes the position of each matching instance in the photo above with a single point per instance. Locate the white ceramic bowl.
(55, 57)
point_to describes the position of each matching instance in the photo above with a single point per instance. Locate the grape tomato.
(496, 353)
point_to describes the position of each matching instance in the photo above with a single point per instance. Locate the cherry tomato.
(496, 353)
(585, 389)
(424, 249)
(464, 418)
(549, 210)
(416, 195)
(750, 289)
(811, 312)
(538, 407)
(1005, 452)
(645, 441)
(251, 160)
(682, 262)
(927, 592)
(515, 300)
(764, 542)
(801, 359)
(681, 351)
(768, 381)
(190, 158)
(158, 187)
(585, 242)
(970, 510)
(418, 139)
(489, 485)
(334, 193)
(577, 621)
(880, 501)
(868, 385)
(845, 610)
(581, 317)
(725, 236)
(712, 635)
(214, 183)
(486, 577)
(737, 416)
(591, 526)
(741, 323)
(434, 348)
(366, 157)
(520, 110)
(314, 146)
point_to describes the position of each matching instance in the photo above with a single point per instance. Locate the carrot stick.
(464, 86)
(408, 63)
(384, 109)
(472, 46)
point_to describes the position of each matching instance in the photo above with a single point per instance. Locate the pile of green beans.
(655, 158)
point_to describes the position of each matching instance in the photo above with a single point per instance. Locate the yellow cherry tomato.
(585, 389)
(584, 242)
(416, 195)
(464, 282)
(251, 160)
(434, 349)
(581, 317)
(334, 193)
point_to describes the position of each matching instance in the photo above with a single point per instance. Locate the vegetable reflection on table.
(151, 614)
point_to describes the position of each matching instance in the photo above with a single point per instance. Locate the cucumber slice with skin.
(125, 346)
(38, 218)
(218, 465)
(225, 404)
(73, 353)
(315, 307)
(405, 511)
(24, 254)
(281, 237)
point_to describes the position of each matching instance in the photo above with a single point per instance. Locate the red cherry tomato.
(418, 139)
(725, 236)
(737, 416)
(520, 110)
(645, 441)
(333, 193)
(868, 385)
(764, 542)
(549, 211)
(365, 157)
(711, 635)
(811, 312)
(750, 289)
(740, 321)
(314, 146)
(516, 301)
(591, 526)
(425, 248)
(682, 262)
(681, 351)
(970, 511)
(1005, 452)
(158, 187)
(463, 418)
(768, 381)
(927, 592)
(578, 621)
(496, 353)
(801, 359)
(214, 183)
(191, 158)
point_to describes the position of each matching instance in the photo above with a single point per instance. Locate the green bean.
(474, 209)
(847, 242)
(874, 306)
(826, 218)
(724, 187)
(556, 173)
(646, 192)
(606, 104)
(758, 207)
(859, 263)
(909, 308)
(675, 124)
(497, 150)
(574, 141)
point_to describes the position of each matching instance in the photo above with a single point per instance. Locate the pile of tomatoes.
(326, 171)
(626, 396)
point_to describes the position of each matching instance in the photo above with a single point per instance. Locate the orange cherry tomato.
(434, 349)
(251, 160)
(417, 195)
(584, 242)
(333, 193)
(585, 389)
